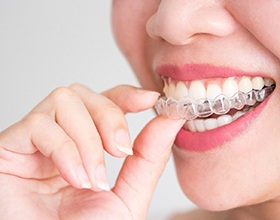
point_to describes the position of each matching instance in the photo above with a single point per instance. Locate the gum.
(190, 109)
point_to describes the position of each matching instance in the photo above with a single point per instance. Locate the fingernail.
(83, 178)
(123, 142)
(101, 179)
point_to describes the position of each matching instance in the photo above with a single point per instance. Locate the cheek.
(123, 25)
(129, 24)
(129, 20)
(261, 18)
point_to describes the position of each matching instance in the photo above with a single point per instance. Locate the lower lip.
(208, 140)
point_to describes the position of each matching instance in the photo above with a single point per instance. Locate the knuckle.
(81, 88)
(64, 145)
(62, 93)
(76, 85)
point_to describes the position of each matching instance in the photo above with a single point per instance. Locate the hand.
(52, 161)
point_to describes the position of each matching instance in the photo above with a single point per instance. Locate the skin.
(41, 154)
(244, 172)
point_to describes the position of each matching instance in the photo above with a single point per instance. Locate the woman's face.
(208, 48)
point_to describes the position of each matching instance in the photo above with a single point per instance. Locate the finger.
(109, 120)
(73, 117)
(38, 132)
(109, 116)
(141, 172)
(132, 99)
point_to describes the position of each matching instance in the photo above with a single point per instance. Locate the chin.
(214, 200)
(211, 196)
(235, 181)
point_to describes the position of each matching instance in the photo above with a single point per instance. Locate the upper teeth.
(201, 98)
(200, 89)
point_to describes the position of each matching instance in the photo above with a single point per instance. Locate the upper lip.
(189, 72)
(210, 139)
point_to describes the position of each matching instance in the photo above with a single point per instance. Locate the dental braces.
(189, 109)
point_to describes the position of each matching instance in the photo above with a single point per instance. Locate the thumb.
(141, 172)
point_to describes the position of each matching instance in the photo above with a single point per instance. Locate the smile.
(212, 103)
(218, 103)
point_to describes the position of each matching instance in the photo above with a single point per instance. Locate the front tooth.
(211, 123)
(180, 91)
(258, 83)
(197, 90)
(172, 89)
(230, 87)
(245, 85)
(224, 120)
(213, 90)
(199, 124)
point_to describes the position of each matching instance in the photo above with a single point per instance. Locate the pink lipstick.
(209, 139)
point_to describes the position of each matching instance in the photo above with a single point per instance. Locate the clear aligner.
(190, 109)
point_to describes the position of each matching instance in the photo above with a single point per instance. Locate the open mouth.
(211, 103)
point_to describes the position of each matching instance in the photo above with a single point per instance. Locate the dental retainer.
(189, 109)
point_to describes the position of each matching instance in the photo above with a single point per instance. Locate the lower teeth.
(189, 109)
(200, 125)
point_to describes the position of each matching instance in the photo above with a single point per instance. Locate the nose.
(178, 21)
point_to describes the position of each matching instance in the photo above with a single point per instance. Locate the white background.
(47, 44)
